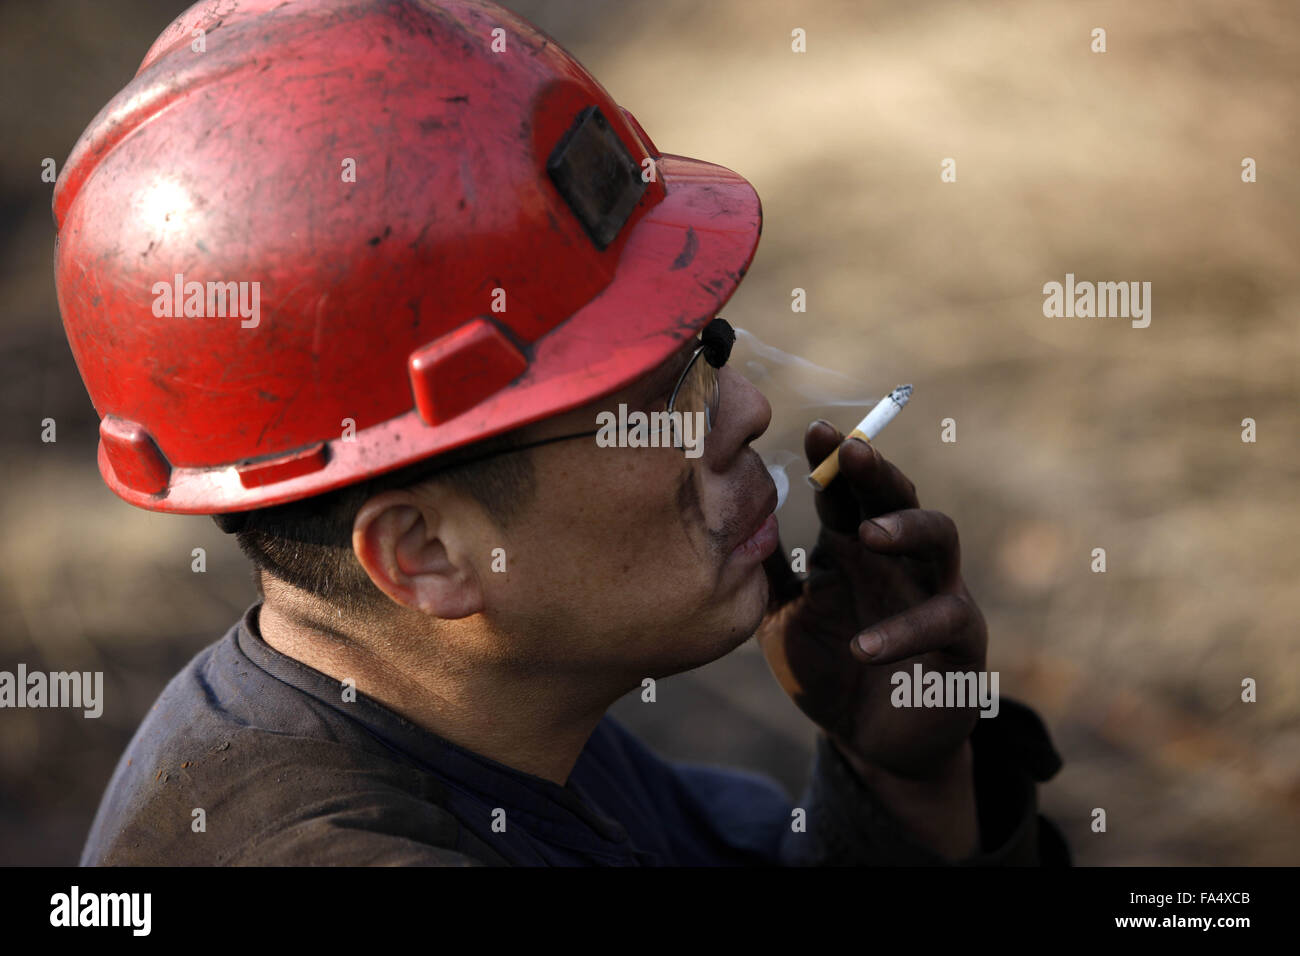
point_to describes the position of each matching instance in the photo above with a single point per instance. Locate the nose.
(743, 415)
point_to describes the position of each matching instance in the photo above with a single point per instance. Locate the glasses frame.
(715, 392)
(710, 413)
(711, 403)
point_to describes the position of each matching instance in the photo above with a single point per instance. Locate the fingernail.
(887, 525)
(870, 643)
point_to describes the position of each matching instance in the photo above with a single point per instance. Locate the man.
(454, 257)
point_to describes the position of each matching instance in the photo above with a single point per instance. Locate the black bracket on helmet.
(718, 337)
(597, 176)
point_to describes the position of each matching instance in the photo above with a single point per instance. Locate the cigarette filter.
(867, 429)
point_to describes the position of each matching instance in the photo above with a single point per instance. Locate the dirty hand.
(897, 578)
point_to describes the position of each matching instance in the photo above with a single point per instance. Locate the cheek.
(628, 553)
(637, 538)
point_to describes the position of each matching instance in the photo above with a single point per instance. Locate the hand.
(896, 579)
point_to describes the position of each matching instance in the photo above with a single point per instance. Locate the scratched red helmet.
(316, 240)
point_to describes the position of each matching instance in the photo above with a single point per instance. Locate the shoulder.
(233, 767)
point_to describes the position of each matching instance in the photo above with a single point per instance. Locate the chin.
(724, 624)
(757, 594)
(748, 607)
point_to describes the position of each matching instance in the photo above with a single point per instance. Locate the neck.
(444, 683)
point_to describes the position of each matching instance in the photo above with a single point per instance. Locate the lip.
(764, 534)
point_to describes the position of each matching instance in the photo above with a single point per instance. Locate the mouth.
(762, 535)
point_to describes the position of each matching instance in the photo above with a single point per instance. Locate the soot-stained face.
(639, 562)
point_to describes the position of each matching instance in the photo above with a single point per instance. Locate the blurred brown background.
(1072, 433)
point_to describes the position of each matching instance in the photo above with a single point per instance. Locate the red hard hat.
(490, 170)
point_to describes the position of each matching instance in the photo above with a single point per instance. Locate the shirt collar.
(557, 813)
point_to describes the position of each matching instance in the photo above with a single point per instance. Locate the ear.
(413, 554)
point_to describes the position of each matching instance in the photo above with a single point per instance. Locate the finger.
(837, 508)
(820, 440)
(926, 535)
(938, 624)
(869, 484)
(876, 482)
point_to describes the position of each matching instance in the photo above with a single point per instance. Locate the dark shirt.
(287, 773)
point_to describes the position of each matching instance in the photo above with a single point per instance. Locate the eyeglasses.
(697, 390)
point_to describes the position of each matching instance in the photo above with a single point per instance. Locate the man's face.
(639, 562)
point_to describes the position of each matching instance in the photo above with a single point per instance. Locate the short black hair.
(308, 543)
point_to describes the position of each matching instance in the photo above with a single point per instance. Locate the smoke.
(793, 381)
(778, 466)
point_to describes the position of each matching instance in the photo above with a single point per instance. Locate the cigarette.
(867, 429)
